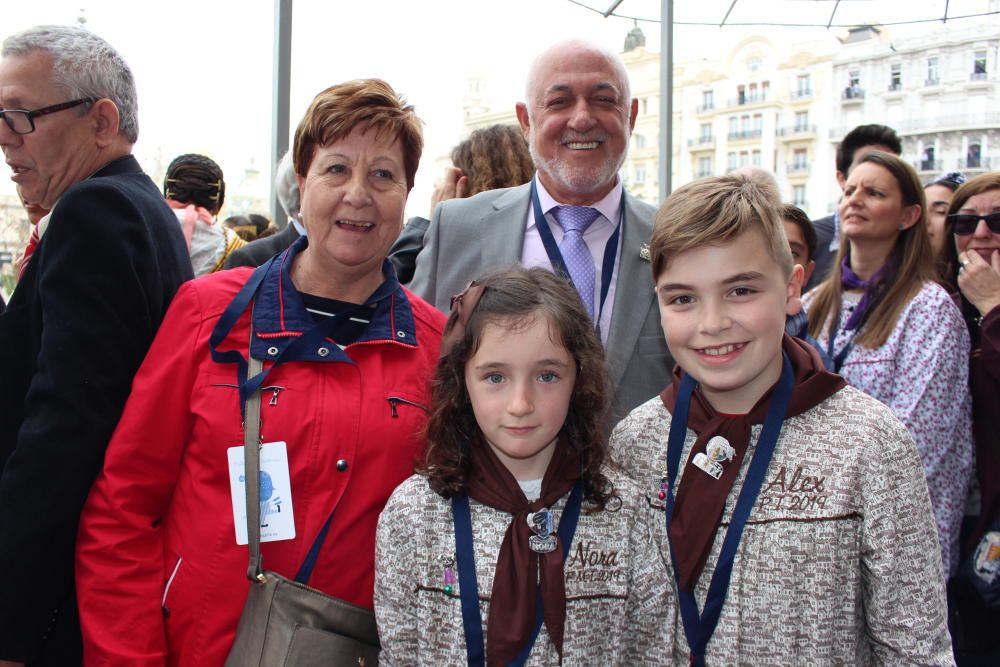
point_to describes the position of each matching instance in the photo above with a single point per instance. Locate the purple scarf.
(850, 280)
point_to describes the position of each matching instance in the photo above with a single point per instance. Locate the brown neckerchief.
(515, 583)
(701, 498)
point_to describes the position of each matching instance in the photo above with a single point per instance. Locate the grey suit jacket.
(468, 237)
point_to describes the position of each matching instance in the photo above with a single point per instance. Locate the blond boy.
(800, 526)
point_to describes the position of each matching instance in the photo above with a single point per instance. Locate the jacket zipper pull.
(274, 395)
(392, 406)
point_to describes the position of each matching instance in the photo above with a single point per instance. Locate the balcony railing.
(703, 173)
(701, 141)
(895, 87)
(747, 99)
(801, 94)
(968, 121)
(932, 82)
(703, 108)
(931, 165)
(745, 134)
(977, 76)
(985, 163)
(796, 130)
(853, 93)
(798, 168)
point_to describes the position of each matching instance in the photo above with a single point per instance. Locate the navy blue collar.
(280, 316)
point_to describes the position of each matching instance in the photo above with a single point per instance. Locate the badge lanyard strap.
(472, 620)
(698, 628)
(307, 341)
(556, 258)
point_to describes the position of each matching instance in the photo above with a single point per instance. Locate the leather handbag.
(284, 621)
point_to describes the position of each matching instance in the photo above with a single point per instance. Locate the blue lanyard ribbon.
(698, 628)
(472, 620)
(556, 258)
(294, 350)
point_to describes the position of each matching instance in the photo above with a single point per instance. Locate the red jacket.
(160, 577)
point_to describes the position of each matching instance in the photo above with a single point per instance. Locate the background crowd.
(125, 368)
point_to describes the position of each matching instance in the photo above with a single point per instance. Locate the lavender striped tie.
(579, 262)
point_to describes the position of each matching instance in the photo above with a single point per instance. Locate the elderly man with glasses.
(95, 283)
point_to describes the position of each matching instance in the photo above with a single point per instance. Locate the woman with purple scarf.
(894, 333)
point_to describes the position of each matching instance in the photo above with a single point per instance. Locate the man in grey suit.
(578, 118)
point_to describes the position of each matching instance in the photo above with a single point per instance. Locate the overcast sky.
(203, 67)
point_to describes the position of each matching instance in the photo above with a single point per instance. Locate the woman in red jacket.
(161, 561)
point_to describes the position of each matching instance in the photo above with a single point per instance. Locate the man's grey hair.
(85, 66)
(286, 186)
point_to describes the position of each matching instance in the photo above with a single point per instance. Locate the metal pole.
(282, 75)
(666, 97)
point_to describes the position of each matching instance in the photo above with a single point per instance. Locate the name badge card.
(277, 522)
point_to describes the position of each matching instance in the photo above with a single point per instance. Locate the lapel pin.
(644, 252)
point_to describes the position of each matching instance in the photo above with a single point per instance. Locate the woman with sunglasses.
(894, 333)
(972, 273)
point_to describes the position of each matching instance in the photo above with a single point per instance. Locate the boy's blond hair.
(715, 211)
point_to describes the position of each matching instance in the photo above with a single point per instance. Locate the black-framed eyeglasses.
(21, 121)
(964, 224)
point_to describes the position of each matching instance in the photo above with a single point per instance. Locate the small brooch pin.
(448, 562)
(716, 451)
(644, 252)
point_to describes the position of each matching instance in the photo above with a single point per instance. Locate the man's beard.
(577, 179)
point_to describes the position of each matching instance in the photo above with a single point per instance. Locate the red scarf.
(701, 498)
(512, 603)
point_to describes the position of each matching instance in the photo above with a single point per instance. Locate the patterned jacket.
(616, 592)
(839, 561)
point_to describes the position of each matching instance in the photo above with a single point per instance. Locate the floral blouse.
(922, 374)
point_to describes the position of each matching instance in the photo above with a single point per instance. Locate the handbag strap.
(251, 470)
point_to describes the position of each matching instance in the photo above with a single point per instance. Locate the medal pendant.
(717, 451)
(542, 545)
(541, 524)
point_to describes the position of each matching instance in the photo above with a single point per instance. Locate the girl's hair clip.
(462, 307)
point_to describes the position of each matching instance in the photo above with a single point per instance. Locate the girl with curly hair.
(515, 541)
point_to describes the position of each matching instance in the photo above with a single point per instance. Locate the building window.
(854, 89)
(932, 72)
(731, 161)
(979, 65)
(734, 127)
(799, 195)
(706, 132)
(801, 121)
(707, 100)
(704, 166)
(973, 157)
(765, 88)
(640, 141)
(640, 174)
(744, 158)
(896, 77)
(755, 158)
(741, 94)
(758, 125)
(754, 94)
(803, 86)
(753, 63)
(927, 160)
(800, 159)
(645, 103)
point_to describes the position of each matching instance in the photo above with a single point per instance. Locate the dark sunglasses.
(964, 224)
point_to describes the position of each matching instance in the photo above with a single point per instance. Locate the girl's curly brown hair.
(514, 296)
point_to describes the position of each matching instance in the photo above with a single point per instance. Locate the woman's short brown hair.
(336, 111)
(715, 211)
